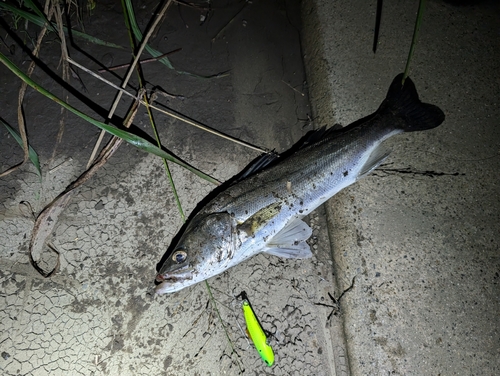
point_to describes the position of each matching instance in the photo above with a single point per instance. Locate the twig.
(171, 113)
(190, 5)
(212, 300)
(165, 162)
(116, 67)
(291, 87)
(230, 22)
(159, 16)
(47, 219)
(22, 91)
(43, 273)
(51, 171)
(65, 70)
(131, 138)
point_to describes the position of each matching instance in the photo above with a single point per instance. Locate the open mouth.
(174, 277)
(168, 283)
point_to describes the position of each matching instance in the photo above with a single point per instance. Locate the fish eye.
(179, 256)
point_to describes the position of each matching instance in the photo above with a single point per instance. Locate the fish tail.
(403, 102)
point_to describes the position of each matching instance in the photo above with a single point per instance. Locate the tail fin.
(403, 101)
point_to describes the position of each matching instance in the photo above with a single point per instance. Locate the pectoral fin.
(290, 242)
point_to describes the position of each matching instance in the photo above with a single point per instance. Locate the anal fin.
(374, 160)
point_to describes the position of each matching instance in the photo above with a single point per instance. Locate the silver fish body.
(262, 213)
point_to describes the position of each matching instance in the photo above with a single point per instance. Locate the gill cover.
(207, 242)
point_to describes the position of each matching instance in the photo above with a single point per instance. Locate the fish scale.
(262, 212)
(311, 182)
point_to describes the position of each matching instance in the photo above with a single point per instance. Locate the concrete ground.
(98, 314)
(421, 234)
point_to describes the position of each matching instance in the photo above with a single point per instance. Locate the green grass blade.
(131, 138)
(32, 153)
(138, 35)
(418, 22)
(22, 13)
(150, 114)
(165, 162)
(41, 22)
(40, 14)
(155, 53)
(92, 39)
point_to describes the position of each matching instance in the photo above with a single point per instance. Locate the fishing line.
(212, 299)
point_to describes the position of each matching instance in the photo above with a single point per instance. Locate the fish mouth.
(185, 272)
(174, 277)
(171, 282)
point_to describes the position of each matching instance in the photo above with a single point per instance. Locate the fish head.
(204, 250)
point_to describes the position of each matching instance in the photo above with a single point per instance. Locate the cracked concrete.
(98, 314)
(423, 246)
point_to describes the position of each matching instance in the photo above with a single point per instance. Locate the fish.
(255, 331)
(263, 210)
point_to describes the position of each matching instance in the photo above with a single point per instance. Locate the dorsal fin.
(257, 165)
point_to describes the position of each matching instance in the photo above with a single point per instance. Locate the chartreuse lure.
(256, 333)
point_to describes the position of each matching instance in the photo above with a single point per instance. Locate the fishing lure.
(256, 333)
